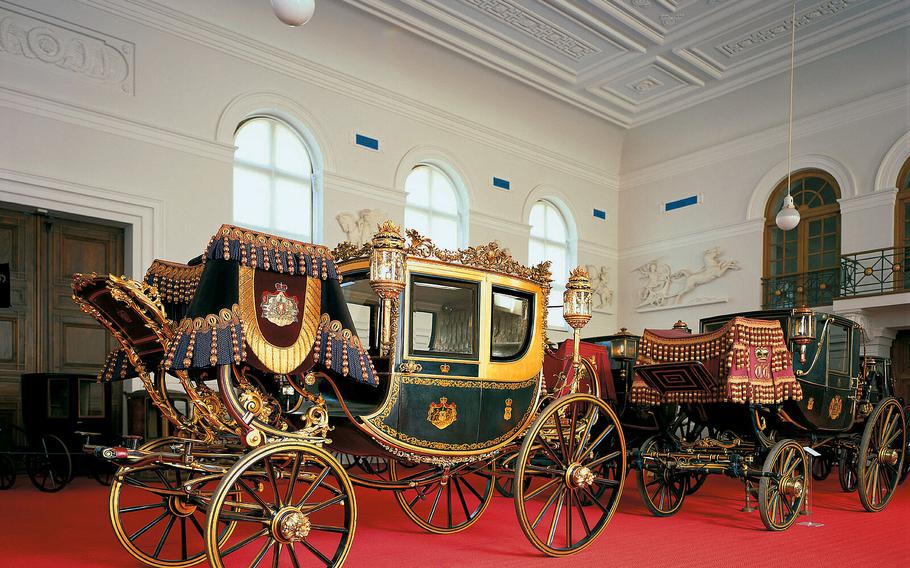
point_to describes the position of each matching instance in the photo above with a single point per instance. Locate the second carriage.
(427, 359)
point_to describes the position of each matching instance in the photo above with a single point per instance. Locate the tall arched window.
(902, 225)
(434, 207)
(273, 179)
(550, 240)
(801, 266)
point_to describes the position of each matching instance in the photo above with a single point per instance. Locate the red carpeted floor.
(70, 529)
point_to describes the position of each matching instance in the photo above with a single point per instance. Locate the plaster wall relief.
(359, 228)
(664, 288)
(33, 38)
(600, 285)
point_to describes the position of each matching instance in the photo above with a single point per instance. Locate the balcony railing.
(812, 288)
(874, 272)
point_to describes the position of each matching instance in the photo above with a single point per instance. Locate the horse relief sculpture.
(359, 229)
(600, 287)
(664, 287)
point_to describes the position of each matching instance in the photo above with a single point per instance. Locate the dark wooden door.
(44, 331)
(900, 364)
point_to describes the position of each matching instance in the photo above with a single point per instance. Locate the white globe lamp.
(294, 12)
(788, 217)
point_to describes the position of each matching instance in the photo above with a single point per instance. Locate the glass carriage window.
(550, 241)
(58, 398)
(839, 349)
(363, 305)
(512, 324)
(433, 207)
(443, 316)
(273, 179)
(91, 399)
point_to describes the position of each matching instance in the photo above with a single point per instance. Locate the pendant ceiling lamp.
(294, 12)
(788, 217)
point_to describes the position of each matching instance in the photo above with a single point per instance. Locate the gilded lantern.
(577, 300)
(624, 346)
(387, 262)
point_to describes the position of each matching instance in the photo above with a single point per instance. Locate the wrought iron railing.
(873, 272)
(812, 288)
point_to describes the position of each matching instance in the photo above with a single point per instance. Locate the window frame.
(474, 286)
(559, 281)
(275, 174)
(807, 214)
(461, 202)
(529, 331)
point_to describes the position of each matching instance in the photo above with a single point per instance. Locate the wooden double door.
(43, 331)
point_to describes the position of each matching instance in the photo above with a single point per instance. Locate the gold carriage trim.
(277, 359)
(117, 367)
(176, 283)
(216, 339)
(748, 357)
(332, 340)
(271, 253)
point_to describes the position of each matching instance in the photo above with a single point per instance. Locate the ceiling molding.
(687, 240)
(157, 16)
(718, 46)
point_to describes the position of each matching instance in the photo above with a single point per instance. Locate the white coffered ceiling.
(633, 61)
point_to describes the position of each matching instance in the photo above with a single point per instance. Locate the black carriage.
(288, 365)
(767, 384)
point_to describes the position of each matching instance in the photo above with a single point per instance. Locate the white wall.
(163, 136)
(852, 108)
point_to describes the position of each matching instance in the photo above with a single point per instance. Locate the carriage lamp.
(577, 305)
(387, 278)
(681, 325)
(801, 329)
(624, 349)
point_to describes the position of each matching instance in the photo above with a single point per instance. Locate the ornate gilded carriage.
(425, 360)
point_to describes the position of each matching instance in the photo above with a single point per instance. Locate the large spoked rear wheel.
(50, 467)
(663, 489)
(154, 520)
(881, 455)
(445, 505)
(569, 474)
(298, 509)
(782, 488)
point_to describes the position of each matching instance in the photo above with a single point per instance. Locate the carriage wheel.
(50, 467)
(298, 507)
(155, 521)
(447, 505)
(906, 469)
(690, 430)
(574, 448)
(846, 470)
(662, 488)
(782, 488)
(821, 467)
(7, 472)
(505, 474)
(881, 455)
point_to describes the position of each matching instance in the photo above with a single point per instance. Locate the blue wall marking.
(366, 142)
(680, 203)
(502, 183)
(600, 214)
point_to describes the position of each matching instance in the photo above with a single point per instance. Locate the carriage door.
(900, 361)
(43, 331)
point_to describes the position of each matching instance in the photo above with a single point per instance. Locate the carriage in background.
(425, 359)
(752, 396)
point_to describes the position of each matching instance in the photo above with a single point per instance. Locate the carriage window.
(363, 305)
(443, 315)
(838, 349)
(511, 324)
(91, 399)
(58, 398)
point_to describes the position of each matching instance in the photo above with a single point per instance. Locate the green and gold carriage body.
(469, 348)
(265, 338)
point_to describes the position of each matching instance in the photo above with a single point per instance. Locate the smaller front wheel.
(846, 470)
(50, 467)
(662, 488)
(782, 489)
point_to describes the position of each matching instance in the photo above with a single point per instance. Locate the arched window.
(550, 240)
(273, 179)
(801, 266)
(434, 207)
